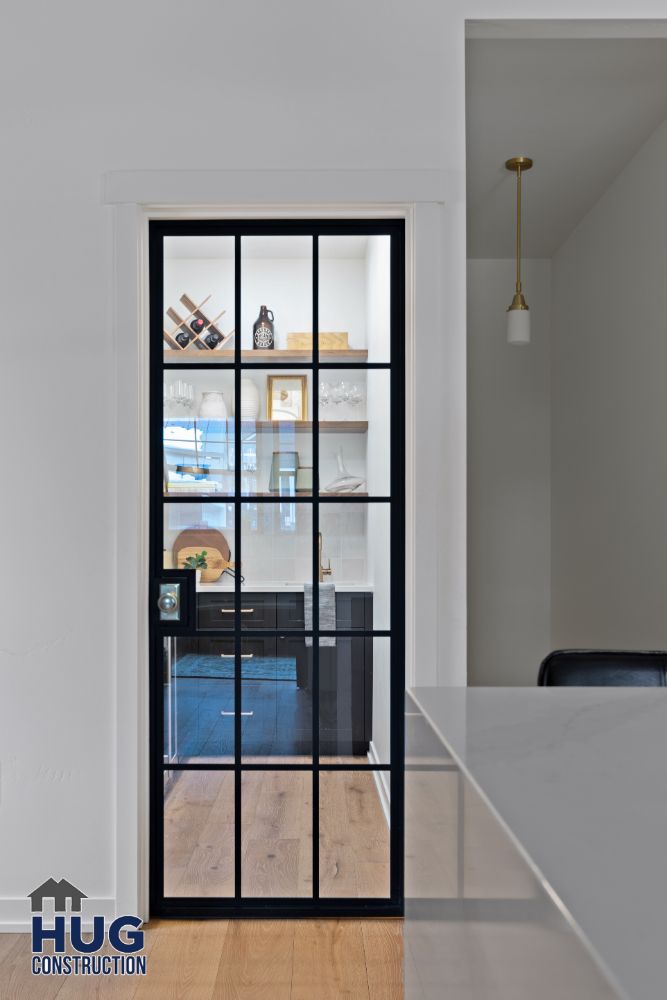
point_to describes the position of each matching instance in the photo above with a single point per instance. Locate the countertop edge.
(523, 852)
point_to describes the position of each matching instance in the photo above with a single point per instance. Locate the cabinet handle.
(230, 611)
(230, 656)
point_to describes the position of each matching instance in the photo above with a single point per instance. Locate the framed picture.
(287, 397)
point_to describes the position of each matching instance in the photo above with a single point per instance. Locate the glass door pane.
(277, 297)
(198, 299)
(355, 296)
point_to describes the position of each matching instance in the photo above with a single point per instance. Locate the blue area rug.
(264, 668)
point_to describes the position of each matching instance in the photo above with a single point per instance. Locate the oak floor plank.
(184, 960)
(276, 835)
(329, 961)
(108, 987)
(271, 868)
(237, 960)
(383, 948)
(256, 961)
(16, 979)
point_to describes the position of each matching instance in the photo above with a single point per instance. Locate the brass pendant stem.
(518, 230)
(518, 164)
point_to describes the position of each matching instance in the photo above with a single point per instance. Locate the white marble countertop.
(579, 778)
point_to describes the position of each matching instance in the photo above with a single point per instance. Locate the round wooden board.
(193, 540)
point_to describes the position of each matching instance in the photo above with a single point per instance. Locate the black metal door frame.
(239, 906)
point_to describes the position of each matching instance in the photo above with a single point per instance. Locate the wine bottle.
(197, 325)
(183, 337)
(213, 338)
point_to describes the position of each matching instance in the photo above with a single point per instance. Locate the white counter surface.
(579, 777)
(288, 588)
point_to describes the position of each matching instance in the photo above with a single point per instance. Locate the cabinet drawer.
(216, 611)
(251, 649)
(353, 611)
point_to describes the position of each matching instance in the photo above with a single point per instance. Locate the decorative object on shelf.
(326, 341)
(197, 562)
(304, 479)
(213, 336)
(344, 482)
(262, 331)
(287, 397)
(213, 406)
(179, 393)
(356, 394)
(250, 401)
(284, 465)
(518, 316)
(195, 329)
(192, 541)
(184, 335)
(324, 394)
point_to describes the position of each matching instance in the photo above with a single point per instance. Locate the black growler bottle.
(262, 331)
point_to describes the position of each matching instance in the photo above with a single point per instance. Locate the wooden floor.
(276, 835)
(233, 960)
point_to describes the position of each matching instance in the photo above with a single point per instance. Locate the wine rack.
(196, 338)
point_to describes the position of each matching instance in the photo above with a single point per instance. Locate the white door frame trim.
(191, 192)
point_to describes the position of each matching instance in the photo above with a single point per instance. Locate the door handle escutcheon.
(169, 602)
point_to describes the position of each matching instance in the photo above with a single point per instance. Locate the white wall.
(273, 86)
(509, 602)
(609, 360)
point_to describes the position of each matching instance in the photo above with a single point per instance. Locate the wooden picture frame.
(287, 397)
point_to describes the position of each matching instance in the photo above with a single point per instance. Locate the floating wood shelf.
(273, 426)
(249, 497)
(192, 355)
(305, 426)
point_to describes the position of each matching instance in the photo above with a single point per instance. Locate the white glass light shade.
(518, 326)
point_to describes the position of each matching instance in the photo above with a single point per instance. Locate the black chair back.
(603, 668)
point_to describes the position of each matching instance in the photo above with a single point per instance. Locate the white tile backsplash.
(276, 538)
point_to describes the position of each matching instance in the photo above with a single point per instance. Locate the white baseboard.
(382, 783)
(16, 917)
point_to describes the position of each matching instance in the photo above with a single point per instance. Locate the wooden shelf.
(305, 426)
(249, 497)
(275, 426)
(192, 355)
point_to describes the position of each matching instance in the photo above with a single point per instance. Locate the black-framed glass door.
(277, 567)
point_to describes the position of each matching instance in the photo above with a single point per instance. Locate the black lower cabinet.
(277, 674)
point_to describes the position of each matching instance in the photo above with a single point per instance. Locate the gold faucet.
(324, 570)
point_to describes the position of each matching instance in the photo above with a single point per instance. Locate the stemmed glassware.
(180, 394)
(341, 393)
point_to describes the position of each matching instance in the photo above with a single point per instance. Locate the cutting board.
(194, 540)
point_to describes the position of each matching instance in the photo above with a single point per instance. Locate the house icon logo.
(83, 956)
(59, 892)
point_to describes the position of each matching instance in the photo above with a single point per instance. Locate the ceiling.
(580, 107)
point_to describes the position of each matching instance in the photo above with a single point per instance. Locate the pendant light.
(518, 315)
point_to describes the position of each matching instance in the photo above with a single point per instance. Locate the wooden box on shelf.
(326, 341)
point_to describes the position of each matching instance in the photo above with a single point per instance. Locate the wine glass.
(356, 394)
(325, 393)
